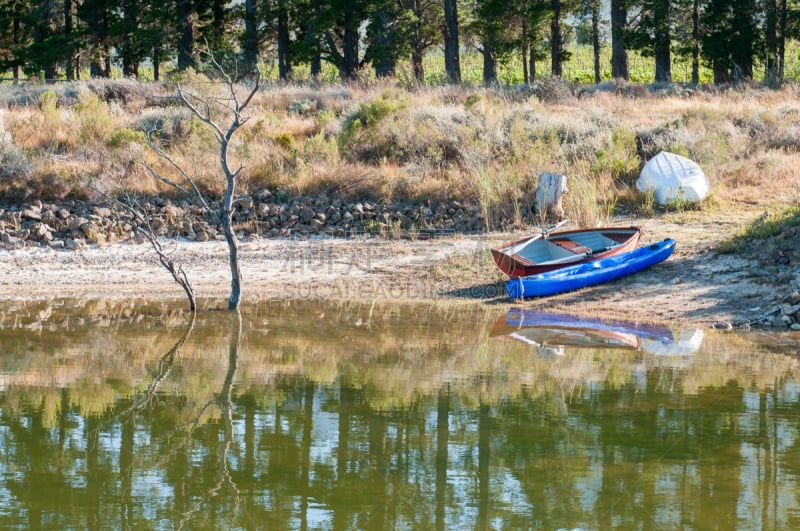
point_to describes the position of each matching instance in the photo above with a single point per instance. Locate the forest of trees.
(67, 39)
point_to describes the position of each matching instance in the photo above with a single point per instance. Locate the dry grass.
(479, 146)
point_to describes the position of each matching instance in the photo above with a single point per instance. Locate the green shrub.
(13, 162)
(321, 149)
(285, 140)
(763, 228)
(124, 136)
(303, 107)
(472, 100)
(360, 136)
(50, 112)
(620, 158)
(96, 123)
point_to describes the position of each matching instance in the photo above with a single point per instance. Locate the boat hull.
(514, 265)
(591, 273)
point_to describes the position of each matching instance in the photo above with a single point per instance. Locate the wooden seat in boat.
(570, 245)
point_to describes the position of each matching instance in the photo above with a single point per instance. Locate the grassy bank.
(772, 237)
(379, 142)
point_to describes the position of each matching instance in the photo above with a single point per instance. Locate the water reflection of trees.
(403, 425)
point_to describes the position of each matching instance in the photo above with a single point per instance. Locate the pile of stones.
(785, 315)
(72, 224)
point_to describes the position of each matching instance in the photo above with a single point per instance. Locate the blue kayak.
(591, 273)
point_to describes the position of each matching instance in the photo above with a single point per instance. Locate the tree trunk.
(316, 58)
(16, 38)
(250, 37)
(722, 73)
(743, 48)
(771, 40)
(349, 68)
(45, 29)
(384, 42)
(452, 62)
(782, 40)
(555, 38)
(619, 51)
(156, 62)
(663, 60)
(219, 15)
(596, 40)
(696, 42)
(526, 76)
(100, 64)
(489, 65)
(130, 65)
(417, 49)
(525, 47)
(418, 67)
(69, 64)
(284, 65)
(230, 236)
(186, 42)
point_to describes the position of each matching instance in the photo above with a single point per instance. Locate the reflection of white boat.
(542, 329)
(688, 342)
(545, 350)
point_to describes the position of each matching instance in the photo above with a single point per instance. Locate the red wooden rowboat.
(549, 251)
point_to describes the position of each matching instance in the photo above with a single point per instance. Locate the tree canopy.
(67, 39)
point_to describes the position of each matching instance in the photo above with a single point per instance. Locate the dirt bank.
(696, 285)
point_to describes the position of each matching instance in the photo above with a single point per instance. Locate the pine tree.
(495, 25)
(652, 35)
(619, 50)
(14, 35)
(730, 39)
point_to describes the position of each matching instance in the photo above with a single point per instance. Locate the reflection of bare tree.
(305, 467)
(165, 365)
(128, 425)
(442, 440)
(225, 399)
(225, 402)
(483, 467)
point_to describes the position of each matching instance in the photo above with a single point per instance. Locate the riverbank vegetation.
(773, 236)
(379, 142)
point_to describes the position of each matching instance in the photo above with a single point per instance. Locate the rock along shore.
(71, 224)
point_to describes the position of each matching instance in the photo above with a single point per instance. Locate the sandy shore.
(695, 286)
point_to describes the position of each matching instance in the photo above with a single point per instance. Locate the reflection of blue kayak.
(518, 319)
(591, 273)
(552, 331)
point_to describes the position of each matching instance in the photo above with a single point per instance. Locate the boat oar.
(548, 230)
(545, 232)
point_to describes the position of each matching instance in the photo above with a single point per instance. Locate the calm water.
(307, 416)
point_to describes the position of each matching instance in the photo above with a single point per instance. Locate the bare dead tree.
(201, 107)
(135, 208)
(206, 109)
